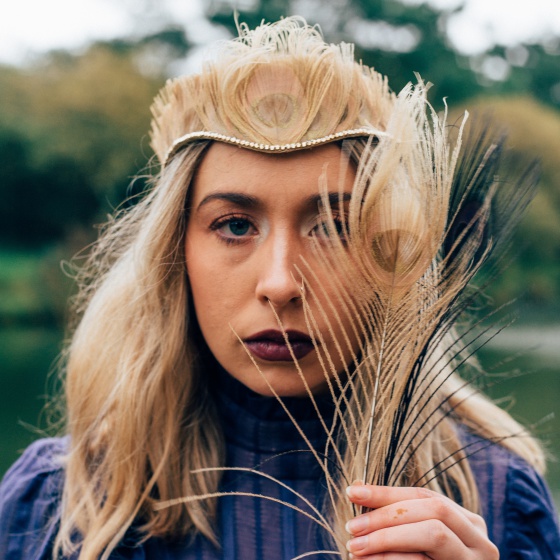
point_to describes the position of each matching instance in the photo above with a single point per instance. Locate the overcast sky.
(31, 26)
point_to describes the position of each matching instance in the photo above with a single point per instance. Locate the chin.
(290, 385)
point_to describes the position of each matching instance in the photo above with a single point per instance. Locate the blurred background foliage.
(73, 135)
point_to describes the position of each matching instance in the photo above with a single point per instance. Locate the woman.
(282, 304)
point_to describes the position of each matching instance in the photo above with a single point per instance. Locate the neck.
(259, 428)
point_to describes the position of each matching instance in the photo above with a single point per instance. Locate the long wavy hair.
(143, 426)
(139, 412)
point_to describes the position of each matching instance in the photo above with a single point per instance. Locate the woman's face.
(252, 217)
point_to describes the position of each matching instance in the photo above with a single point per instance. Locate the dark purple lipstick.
(271, 346)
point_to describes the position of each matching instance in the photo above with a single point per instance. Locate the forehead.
(227, 167)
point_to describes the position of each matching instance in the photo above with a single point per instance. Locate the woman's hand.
(414, 523)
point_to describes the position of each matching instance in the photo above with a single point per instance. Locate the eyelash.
(218, 224)
(337, 219)
(225, 220)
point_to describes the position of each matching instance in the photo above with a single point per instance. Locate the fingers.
(416, 511)
(379, 497)
(431, 537)
(408, 521)
(394, 556)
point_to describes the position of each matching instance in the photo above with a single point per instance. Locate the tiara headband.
(276, 88)
(261, 147)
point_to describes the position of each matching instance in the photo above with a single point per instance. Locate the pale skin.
(414, 524)
(252, 217)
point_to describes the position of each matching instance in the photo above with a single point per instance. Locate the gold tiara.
(276, 88)
(267, 148)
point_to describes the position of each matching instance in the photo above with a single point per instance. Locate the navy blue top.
(517, 505)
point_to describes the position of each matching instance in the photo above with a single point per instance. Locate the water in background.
(26, 357)
(533, 396)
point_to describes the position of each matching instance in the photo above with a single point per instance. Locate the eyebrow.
(239, 199)
(248, 201)
(332, 197)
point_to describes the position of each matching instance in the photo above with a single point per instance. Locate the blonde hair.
(139, 414)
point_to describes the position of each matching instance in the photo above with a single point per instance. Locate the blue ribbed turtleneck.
(259, 434)
(516, 504)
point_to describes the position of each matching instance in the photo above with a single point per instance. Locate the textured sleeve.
(29, 502)
(531, 522)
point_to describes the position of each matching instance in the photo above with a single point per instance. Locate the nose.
(278, 282)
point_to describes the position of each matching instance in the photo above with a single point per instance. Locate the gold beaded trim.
(267, 148)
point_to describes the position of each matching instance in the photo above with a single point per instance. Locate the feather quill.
(417, 232)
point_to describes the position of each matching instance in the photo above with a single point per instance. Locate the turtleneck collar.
(261, 425)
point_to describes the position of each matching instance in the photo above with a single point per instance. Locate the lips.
(271, 346)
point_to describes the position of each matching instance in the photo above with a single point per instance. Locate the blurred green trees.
(73, 133)
(533, 131)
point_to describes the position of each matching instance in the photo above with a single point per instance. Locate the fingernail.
(357, 492)
(357, 525)
(355, 545)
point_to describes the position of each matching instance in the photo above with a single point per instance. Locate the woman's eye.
(234, 228)
(238, 227)
(324, 230)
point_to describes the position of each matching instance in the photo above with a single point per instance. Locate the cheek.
(204, 281)
(336, 307)
(200, 276)
(214, 290)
